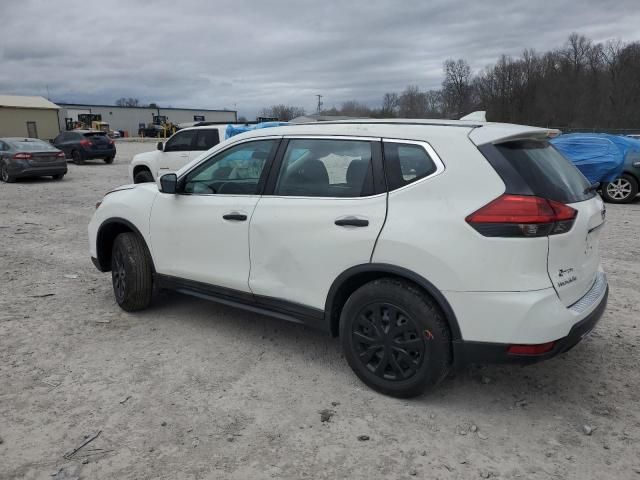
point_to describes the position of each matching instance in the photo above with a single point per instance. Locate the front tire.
(131, 272)
(143, 176)
(109, 160)
(77, 157)
(395, 338)
(621, 190)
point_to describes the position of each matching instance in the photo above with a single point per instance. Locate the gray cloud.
(246, 54)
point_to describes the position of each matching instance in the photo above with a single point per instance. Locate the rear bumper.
(467, 352)
(102, 153)
(22, 170)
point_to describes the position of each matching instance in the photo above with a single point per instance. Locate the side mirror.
(160, 146)
(168, 183)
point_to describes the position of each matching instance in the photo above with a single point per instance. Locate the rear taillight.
(111, 142)
(60, 155)
(22, 156)
(522, 216)
(85, 143)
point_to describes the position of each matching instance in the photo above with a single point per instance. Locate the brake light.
(522, 216)
(530, 350)
(85, 142)
(22, 156)
(60, 155)
(111, 141)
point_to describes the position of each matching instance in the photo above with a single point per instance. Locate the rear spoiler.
(498, 133)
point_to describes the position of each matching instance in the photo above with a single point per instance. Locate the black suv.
(83, 145)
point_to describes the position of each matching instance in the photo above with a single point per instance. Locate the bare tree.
(284, 113)
(390, 103)
(127, 102)
(456, 88)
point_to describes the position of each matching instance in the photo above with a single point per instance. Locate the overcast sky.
(245, 55)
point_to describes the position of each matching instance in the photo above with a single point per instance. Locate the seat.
(357, 172)
(310, 179)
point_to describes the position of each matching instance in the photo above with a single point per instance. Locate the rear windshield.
(30, 145)
(547, 172)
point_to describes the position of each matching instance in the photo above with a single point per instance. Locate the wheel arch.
(140, 167)
(107, 233)
(353, 278)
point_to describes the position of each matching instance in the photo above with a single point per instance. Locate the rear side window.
(207, 139)
(406, 163)
(546, 171)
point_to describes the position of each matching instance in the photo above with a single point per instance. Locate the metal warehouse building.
(131, 119)
(23, 116)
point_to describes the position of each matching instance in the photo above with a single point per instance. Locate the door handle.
(239, 217)
(352, 222)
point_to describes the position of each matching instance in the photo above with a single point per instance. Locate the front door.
(175, 153)
(202, 233)
(320, 215)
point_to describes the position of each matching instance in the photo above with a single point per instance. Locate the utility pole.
(319, 103)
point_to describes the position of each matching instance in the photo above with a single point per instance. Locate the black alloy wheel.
(119, 276)
(395, 337)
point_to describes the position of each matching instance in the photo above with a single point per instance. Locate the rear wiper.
(592, 188)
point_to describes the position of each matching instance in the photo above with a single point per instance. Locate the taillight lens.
(22, 156)
(530, 350)
(60, 155)
(522, 216)
(85, 143)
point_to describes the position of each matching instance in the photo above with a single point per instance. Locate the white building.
(130, 119)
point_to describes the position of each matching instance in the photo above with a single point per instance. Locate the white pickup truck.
(179, 149)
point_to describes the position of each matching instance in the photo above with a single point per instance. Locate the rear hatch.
(99, 140)
(574, 257)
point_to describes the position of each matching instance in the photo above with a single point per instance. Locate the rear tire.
(395, 338)
(77, 157)
(58, 177)
(621, 190)
(143, 176)
(4, 174)
(131, 272)
(108, 160)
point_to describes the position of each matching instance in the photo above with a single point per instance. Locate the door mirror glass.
(169, 183)
(160, 146)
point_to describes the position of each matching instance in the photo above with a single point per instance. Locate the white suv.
(182, 147)
(423, 245)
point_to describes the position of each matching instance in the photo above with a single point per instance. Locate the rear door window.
(547, 172)
(207, 139)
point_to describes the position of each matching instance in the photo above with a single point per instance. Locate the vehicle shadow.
(571, 380)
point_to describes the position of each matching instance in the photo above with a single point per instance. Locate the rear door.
(322, 211)
(574, 256)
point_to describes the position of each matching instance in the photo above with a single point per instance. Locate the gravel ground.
(189, 389)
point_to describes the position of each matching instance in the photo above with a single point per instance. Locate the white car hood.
(145, 156)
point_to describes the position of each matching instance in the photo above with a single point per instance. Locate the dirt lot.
(191, 389)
